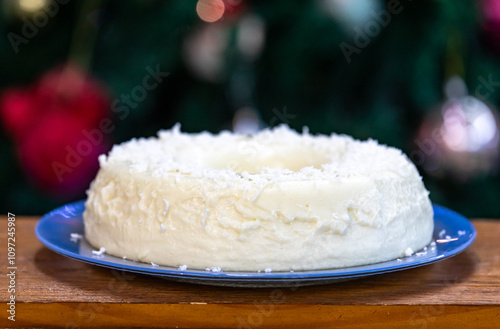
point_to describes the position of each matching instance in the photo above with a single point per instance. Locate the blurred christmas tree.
(367, 68)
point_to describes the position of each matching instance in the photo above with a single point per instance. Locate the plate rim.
(249, 276)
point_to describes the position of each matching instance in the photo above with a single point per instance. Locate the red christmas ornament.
(55, 128)
(491, 23)
(17, 111)
(234, 8)
(68, 89)
(60, 155)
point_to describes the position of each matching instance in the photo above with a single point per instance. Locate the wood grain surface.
(55, 291)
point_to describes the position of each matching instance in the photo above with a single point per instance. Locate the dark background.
(388, 89)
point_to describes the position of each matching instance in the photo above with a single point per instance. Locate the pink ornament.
(50, 121)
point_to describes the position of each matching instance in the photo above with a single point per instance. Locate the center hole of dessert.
(254, 161)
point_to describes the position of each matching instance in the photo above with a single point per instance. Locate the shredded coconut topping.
(74, 237)
(99, 252)
(166, 207)
(280, 157)
(214, 269)
(308, 157)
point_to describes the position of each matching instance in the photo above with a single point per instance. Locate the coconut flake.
(205, 215)
(74, 237)
(99, 252)
(260, 190)
(166, 207)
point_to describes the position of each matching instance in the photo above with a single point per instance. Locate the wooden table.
(55, 291)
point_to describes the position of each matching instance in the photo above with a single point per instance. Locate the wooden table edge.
(73, 315)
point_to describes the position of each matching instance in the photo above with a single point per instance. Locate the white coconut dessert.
(275, 200)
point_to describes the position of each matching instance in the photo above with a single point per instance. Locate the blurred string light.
(251, 36)
(206, 55)
(210, 10)
(351, 13)
(204, 50)
(246, 121)
(206, 47)
(16, 9)
(32, 6)
(250, 40)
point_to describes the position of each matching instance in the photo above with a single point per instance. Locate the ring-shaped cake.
(277, 200)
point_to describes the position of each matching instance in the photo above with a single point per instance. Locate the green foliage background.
(383, 93)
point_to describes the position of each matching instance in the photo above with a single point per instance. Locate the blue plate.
(452, 234)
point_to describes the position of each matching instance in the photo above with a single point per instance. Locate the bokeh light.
(210, 10)
(32, 5)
